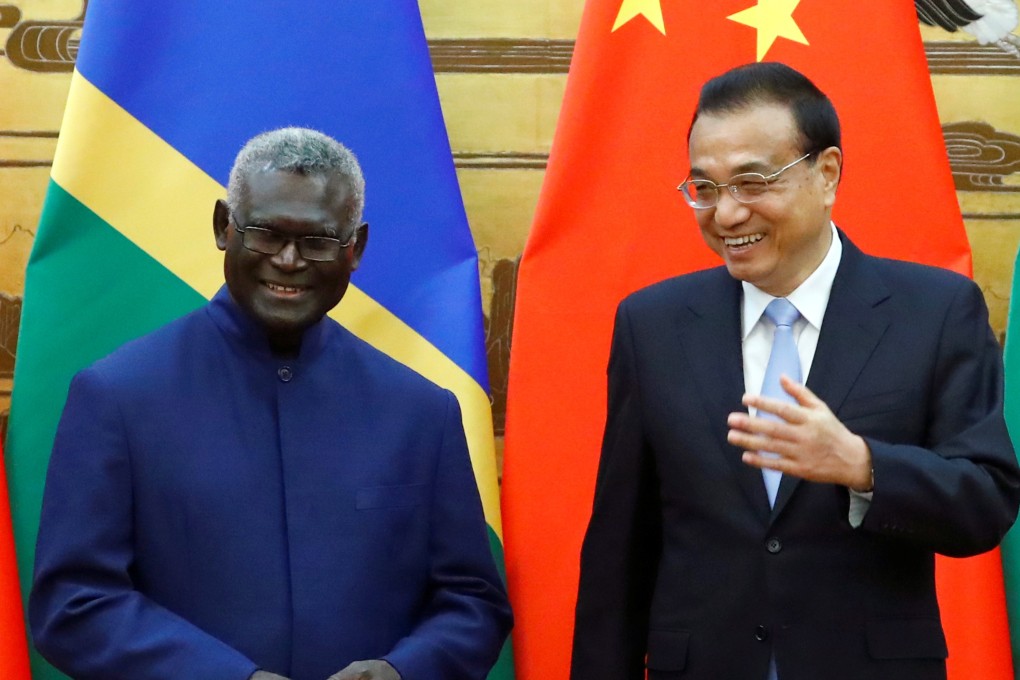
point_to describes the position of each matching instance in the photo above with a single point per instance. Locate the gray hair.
(301, 151)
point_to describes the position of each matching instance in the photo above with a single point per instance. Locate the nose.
(729, 212)
(289, 258)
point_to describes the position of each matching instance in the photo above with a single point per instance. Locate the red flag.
(13, 643)
(610, 220)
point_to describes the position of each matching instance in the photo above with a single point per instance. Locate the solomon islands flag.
(163, 97)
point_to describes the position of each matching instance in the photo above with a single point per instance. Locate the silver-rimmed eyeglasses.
(313, 248)
(747, 187)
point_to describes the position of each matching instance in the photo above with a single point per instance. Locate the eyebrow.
(761, 167)
(330, 232)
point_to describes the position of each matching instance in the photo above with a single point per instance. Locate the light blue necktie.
(783, 360)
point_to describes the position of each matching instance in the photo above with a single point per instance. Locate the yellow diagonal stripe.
(161, 201)
(375, 324)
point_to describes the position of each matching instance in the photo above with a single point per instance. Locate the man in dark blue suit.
(740, 536)
(253, 492)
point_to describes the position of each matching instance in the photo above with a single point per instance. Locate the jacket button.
(285, 374)
(773, 545)
(761, 633)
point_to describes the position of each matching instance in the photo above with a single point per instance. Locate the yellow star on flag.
(773, 19)
(649, 9)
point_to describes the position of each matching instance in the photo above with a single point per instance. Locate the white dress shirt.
(811, 299)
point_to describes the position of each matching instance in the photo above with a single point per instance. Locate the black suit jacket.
(684, 565)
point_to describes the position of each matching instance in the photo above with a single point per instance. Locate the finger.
(791, 413)
(352, 671)
(762, 461)
(804, 396)
(757, 442)
(739, 420)
(769, 427)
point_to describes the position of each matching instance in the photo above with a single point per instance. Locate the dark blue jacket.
(211, 508)
(686, 570)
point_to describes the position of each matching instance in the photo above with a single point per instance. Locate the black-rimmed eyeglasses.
(747, 187)
(271, 242)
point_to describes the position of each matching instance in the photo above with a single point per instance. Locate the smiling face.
(778, 241)
(284, 292)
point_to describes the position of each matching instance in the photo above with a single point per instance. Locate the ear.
(359, 245)
(221, 223)
(830, 162)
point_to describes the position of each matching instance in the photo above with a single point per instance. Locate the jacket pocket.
(667, 650)
(396, 496)
(911, 639)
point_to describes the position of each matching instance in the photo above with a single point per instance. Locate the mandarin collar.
(237, 324)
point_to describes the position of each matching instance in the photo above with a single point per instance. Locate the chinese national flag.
(13, 643)
(610, 220)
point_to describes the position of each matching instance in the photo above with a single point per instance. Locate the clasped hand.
(373, 669)
(808, 440)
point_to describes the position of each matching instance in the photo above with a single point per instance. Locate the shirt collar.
(810, 298)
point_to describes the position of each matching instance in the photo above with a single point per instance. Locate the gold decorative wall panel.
(501, 71)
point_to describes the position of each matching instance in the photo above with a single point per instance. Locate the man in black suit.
(893, 450)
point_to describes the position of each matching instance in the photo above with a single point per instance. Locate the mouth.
(742, 241)
(282, 290)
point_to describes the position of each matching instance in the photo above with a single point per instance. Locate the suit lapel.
(854, 324)
(710, 334)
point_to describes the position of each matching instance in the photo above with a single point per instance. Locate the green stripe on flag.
(504, 668)
(74, 313)
(1010, 548)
